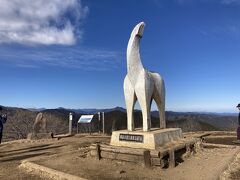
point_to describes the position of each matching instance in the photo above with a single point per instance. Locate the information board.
(85, 119)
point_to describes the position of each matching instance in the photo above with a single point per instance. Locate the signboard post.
(70, 123)
(99, 121)
(103, 123)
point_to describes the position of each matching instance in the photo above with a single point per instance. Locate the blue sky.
(72, 53)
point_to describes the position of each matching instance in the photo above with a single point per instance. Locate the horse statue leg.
(130, 99)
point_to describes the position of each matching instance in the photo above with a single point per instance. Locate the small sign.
(85, 119)
(131, 137)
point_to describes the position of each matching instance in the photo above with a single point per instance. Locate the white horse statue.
(142, 85)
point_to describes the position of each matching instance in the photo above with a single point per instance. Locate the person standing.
(238, 129)
(3, 119)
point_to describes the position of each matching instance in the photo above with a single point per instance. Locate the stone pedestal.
(36, 136)
(149, 140)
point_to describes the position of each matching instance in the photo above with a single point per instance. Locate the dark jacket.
(3, 119)
(1, 123)
(239, 119)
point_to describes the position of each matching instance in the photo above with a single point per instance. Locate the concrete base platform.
(149, 140)
(164, 156)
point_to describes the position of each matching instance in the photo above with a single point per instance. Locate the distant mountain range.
(155, 113)
(220, 121)
(85, 110)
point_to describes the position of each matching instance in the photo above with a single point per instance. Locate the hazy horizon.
(136, 108)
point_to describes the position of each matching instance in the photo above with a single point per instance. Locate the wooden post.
(147, 158)
(187, 153)
(171, 158)
(89, 128)
(163, 162)
(98, 155)
(103, 122)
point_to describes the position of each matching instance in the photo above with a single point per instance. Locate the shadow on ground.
(29, 152)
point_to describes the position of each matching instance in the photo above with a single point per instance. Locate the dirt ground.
(195, 167)
(70, 155)
(12, 153)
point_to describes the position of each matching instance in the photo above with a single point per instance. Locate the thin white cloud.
(228, 2)
(182, 1)
(160, 3)
(65, 57)
(41, 21)
(227, 30)
(233, 30)
(223, 2)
